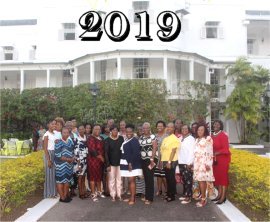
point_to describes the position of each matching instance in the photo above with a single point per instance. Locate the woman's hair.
(114, 127)
(220, 123)
(131, 126)
(96, 124)
(195, 123)
(64, 128)
(60, 120)
(162, 122)
(189, 129)
(206, 131)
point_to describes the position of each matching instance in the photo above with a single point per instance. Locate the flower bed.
(19, 178)
(250, 184)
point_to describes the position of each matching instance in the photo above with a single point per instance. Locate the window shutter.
(15, 54)
(220, 33)
(61, 35)
(1, 54)
(203, 32)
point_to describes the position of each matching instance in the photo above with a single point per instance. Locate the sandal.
(94, 197)
(113, 199)
(147, 202)
(186, 201)
(130, 202)
(198, 197)
(202, 203)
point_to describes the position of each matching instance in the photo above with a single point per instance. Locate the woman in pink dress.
(203, 170)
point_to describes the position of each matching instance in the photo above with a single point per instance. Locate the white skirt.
(133, 173)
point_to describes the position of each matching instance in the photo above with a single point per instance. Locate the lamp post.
(94, 91)
(267, 94)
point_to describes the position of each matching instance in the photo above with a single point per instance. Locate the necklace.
(215, 134)
(114, 138)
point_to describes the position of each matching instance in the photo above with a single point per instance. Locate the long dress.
(131, 154)
(81, 153)
(221, 169)
(63, 169)
(94, 164)
(203, 154)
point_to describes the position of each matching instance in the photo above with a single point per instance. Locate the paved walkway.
(105, 210)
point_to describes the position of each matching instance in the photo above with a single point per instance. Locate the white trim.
(21, 80)
(92, 71)
(232, 213)
(119, 67)
(133, 173)
(48, 78)
(35, 213)
(191, 70)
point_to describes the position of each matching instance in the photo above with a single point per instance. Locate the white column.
(207, 75)
(22, 80)
(119, 68)
(92, 72)
(48, 78)
(191, 70)
(165, 68)
(75, 77)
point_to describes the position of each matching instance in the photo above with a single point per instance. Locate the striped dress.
(63, 169)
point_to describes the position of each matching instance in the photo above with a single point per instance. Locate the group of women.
(109, 155)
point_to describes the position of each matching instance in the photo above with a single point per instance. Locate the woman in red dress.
(95, 162)
(222, 159)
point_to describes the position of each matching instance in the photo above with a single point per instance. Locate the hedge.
(250, 184)
(20, 177)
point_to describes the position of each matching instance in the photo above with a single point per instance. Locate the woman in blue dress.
(64, 158)
(130, 163)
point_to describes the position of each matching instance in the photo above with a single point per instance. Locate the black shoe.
(170, 199)
(64, 201)
(221, 202)
(216, 199)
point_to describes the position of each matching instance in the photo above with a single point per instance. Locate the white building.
(40, 44)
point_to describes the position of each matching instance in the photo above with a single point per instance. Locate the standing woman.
(185, 160)
(159, 171)
(64, 158)
(112, 156)
(130, 163)
(88, 130)
(203, 161)
(95, 162)
(59, 125)
(222, 158)
(148, 145)
(48, 146)
(81, 153)
(168, 150)
(41, 133)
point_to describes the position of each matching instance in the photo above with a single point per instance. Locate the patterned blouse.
(147, 147)
(81, 153)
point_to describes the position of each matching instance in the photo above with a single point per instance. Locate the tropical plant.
(244, 104)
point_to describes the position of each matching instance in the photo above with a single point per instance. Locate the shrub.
(20, 177)
(250, 184)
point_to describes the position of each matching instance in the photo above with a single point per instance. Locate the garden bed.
(250, 184)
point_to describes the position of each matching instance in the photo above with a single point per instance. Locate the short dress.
(131, 153)
(81, 153)
(203, 154)
(94, 165)
(63, 169)
(159, 172)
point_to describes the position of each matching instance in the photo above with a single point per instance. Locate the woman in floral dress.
(81, 152)
(203, 170)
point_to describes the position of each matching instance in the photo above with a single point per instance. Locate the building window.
(67, 78)
(139, 6)
(214, 81)
(103, 67)
(140, 68)
(250, 46)
(69, 31)
(8, 52)
(211, 30)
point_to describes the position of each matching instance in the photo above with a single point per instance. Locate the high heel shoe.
(221, 202)
(202, 203)
(216, 199)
